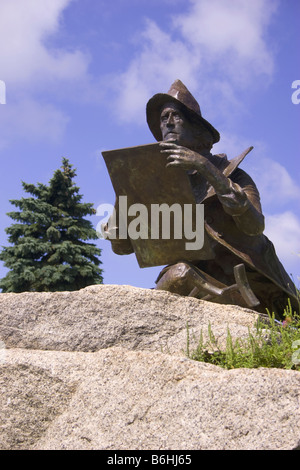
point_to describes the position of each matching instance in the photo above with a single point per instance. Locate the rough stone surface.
(104, 368)
(99, 317)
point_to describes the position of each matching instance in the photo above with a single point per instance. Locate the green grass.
(272, 344)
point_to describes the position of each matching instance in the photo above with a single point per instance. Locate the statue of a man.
(234, 222)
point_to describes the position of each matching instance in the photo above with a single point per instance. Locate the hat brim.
(153, 111)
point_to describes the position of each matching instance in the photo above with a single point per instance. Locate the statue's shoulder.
(220, 160)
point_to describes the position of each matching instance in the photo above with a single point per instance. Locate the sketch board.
(140, 173)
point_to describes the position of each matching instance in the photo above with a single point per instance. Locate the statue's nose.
(170, 120)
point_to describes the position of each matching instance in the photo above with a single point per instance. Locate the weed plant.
(271, 344)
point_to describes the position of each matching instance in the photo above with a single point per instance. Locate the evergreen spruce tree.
(49, 242)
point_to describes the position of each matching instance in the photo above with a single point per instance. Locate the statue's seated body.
(238, 263)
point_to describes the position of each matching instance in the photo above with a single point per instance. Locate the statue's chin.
(171, 137)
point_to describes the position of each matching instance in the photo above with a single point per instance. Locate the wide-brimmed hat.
(180, 95)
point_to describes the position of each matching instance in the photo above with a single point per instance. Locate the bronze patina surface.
(238, 264)
(140, 173)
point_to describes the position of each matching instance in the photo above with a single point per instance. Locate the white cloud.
(283, 230)
(234, 27)
(160, 60)
(24, 57)
(275, 184)
(215, 38)
(29, 66)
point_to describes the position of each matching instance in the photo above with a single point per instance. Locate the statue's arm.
(237, 194)
(241, 200)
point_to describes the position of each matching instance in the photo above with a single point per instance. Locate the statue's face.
(175, 126)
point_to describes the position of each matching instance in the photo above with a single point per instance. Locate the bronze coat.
(240, 237)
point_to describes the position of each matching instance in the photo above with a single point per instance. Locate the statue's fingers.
(174, 163)
(170, 161)
(173, 157)
(176, 152)
(168, 150)
(168, 145)
(173, 160)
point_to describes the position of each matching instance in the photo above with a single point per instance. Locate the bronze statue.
(238, 263)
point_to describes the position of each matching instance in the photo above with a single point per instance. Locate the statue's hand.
(182, 157)
(190, 160)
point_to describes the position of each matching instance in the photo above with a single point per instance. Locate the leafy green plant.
(271, 344)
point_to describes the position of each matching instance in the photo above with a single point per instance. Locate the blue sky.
(78, 75)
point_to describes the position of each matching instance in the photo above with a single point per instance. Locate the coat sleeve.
(242, 202)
